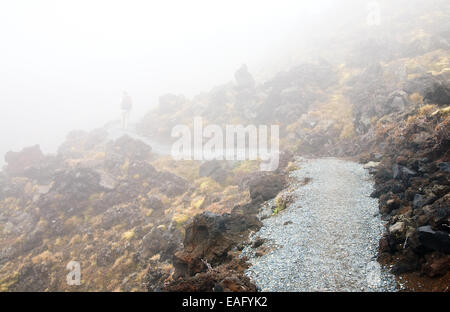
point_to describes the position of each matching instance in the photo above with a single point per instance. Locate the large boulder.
(266, 186)
(160, 240)
(170, 184)
(397, 101)
(209, 237)
(444, 166)
(78, 184)
(420, 200)
(422, 84)
(438, 94)
(121, 214)
(437, 264)
(125, 149)
(225, 278)
(244, 79)
(402, 172)
(33, 277)
(21, 162)
(428, 239)
(439, 213)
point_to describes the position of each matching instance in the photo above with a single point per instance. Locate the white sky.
(64, 64)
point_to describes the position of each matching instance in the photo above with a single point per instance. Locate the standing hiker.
(126, 106)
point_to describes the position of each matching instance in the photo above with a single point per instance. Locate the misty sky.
(64, 64)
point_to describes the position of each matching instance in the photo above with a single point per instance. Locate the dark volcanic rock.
(266, 186)
(154, 279)
(156, 205)
(135, 150)
(438, 94)
(118, 214)
(79, 183)
(407, 262)
(419, 201)
(160, 241)
(222, 279)
(439, 214)
(434, 240)
(171, 184)
(402, 172)
(33, 278)
(445, 167)
(19, 162)
(123, 150)
(421, 84)
(214, 169)
(210, 237)
(106, 256)
(244, 80)
(258, 242)
(436, 264)
(31, 163)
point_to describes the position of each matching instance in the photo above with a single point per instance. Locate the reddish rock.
(20, 162)
(437, 264)
(266, 186)
(393, 203)
(223, 278)
(210, 237)
(384, 245)
(401, 160)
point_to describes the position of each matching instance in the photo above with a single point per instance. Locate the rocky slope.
(120, 211)
(413, 187)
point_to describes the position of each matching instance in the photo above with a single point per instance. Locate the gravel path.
(331, 244)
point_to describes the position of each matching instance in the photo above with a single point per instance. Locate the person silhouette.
(126, 106)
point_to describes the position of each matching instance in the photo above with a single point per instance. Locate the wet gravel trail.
(327, 239)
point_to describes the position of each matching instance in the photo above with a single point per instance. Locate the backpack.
(126, 103)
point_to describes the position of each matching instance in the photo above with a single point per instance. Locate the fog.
(64, 64)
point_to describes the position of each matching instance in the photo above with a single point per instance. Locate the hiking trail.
(327, 239)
